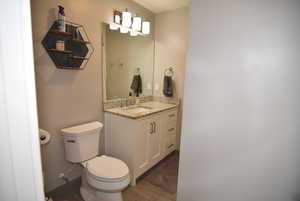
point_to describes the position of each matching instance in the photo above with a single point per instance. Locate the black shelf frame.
(78, 48)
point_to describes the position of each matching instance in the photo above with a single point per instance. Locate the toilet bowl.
(103, 179)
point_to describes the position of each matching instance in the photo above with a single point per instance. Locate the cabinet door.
(142, 146)
(155, 141)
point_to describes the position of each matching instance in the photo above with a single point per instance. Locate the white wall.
(242, 102)
(20, 166)
(67, 97)
(170, 51)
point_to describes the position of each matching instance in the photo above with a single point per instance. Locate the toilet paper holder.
(44, 136)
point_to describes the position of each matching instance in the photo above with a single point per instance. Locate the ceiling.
(158, 6)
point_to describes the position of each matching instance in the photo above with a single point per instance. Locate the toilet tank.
(82, 141)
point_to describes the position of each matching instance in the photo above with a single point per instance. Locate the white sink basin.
(137, 109)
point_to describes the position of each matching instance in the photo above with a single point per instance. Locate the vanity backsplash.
(109, 104)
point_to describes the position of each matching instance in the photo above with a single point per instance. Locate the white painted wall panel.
(20, 166)
(240, 137)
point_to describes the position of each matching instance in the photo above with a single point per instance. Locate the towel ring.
(138, 71)
(169, 72)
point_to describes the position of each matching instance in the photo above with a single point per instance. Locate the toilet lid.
(107, 168)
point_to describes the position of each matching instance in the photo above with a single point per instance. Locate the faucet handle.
(121, 100)
(128, 101)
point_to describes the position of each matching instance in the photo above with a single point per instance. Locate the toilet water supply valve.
(64, 175)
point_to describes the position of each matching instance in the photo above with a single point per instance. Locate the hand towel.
(168, 86)
(136, 85)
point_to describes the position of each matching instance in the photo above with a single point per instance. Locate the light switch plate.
(149, 86)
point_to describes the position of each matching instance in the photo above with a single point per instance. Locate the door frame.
(20, 167)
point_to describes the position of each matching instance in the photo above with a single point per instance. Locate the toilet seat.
(107, 169)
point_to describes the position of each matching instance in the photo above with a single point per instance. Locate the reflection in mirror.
(128, 63)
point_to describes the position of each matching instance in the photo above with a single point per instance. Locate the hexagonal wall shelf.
(78, 48)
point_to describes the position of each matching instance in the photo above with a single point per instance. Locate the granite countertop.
(142, 109)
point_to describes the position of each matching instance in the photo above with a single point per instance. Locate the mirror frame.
(103, 63)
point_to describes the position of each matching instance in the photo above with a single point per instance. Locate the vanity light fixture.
(113, 27)
(146, 27)
(124, 30)
(126, 18)
(128, 22)
(117, 17)
(133, 33)
(137, 23)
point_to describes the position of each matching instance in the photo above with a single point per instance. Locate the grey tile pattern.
(67, 192)
(165, 174)
(158, 184)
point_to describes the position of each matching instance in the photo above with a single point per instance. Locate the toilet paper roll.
(44, 137)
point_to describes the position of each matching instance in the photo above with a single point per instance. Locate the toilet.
(103, 177)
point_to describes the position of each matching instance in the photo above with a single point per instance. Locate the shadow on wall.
(54, 76)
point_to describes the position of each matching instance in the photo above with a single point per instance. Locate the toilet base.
(89, 193)
(99, 196)
(102, 196)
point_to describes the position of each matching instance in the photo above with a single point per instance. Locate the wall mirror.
(128, 64)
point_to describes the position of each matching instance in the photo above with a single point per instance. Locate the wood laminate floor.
(158, 184)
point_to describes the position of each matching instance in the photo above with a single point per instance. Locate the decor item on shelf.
(69, 49)
(60, 45)
(76, 34)
(61, 19)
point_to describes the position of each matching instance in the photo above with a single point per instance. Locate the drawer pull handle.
(71, 141)
(151, 128)
(171, 115)
(171, 129)
(170, 146)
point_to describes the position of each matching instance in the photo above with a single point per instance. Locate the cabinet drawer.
(170, 145)
(171, 116)
(171, 131)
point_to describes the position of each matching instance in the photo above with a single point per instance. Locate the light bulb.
(137, 23)
(133, 33)
(113, 27)
(126, 19)
(124, 30)
(117, 19)
(146, 27)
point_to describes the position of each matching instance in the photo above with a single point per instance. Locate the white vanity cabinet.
(143, 142)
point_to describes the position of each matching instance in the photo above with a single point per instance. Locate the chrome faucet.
(128, 101)
(131, 100)
(123, 100)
